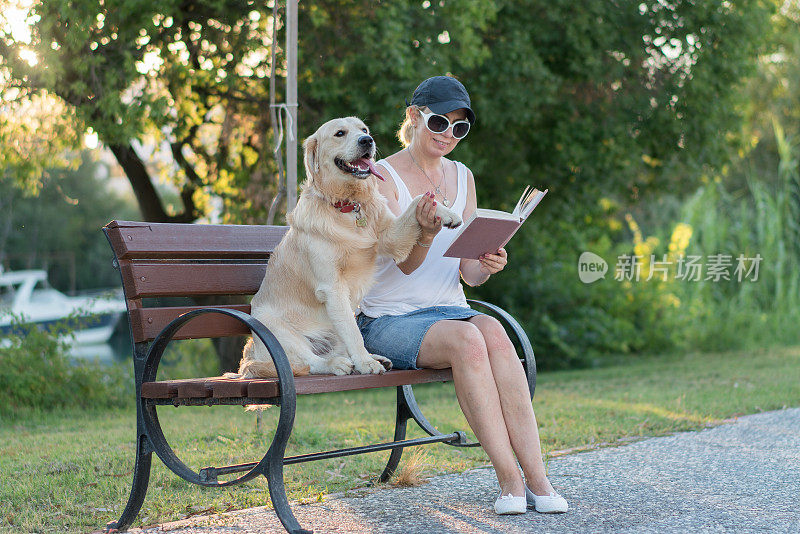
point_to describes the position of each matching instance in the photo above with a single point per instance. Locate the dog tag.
(361, 221)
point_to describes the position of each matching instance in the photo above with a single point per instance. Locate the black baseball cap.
(442, 94)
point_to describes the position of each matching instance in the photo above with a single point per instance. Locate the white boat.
(27, 296)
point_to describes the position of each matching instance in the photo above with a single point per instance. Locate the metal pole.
(291, 104)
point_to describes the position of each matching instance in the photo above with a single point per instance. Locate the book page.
(530, 203)
(518, 208)
(531, 194)
(494, 214)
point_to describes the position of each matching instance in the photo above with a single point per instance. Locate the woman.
(417, 315)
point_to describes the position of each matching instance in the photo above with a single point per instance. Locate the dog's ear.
(311, 160)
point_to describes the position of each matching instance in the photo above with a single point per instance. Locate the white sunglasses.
(436, 123)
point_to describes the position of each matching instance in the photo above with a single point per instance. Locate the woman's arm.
(476, 272)
(426, 216)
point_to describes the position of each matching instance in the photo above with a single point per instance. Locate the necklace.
(443, 195)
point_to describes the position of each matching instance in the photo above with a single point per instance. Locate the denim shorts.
(399, 337)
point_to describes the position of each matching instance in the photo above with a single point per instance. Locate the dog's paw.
(369, 366)
(339, 366)
(450, 219)
(386, 362)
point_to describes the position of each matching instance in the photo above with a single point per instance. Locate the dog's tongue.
(363, 163)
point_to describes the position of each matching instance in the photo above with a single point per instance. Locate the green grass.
(71, 471)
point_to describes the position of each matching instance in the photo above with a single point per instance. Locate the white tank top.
(434, 283)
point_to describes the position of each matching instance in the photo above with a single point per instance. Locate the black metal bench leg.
(403, 415)
(141, 478)
(277, 493)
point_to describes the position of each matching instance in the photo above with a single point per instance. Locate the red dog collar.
(346, 206)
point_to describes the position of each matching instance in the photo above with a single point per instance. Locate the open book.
(488, 230)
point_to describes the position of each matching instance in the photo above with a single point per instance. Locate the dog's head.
(341, 148)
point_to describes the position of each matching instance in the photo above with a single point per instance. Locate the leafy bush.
(37, 373)
(572, 324)
(760, 217)
(188, 358)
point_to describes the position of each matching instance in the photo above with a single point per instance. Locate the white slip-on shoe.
(546, 504)
(508, 504)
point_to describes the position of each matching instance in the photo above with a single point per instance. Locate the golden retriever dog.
(325, 263)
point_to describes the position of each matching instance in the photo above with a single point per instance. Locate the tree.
(599, 99)
(773, 92)
(59, 226)
(187, 74)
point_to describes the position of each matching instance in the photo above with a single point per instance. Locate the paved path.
(739, 477)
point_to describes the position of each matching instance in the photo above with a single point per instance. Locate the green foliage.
(36, 373)
(602, 99)
(751, 212)
(758, 219)
(59, 228)
(572, 324)
(191, 74)
(37, 132)
(774, 89)
(616, 100)
(191, 358)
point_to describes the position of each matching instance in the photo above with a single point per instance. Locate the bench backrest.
(188, 260)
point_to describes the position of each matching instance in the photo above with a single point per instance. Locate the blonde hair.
(406, 132)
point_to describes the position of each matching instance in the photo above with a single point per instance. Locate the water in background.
(118, 348)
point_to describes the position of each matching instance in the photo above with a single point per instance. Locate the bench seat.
(248, 389)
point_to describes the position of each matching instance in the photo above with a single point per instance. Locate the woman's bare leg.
(461, 346)
(512, 388)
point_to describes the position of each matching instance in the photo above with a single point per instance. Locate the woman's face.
(436, 144)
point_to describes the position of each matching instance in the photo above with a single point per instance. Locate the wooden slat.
(267, 388)
(230, 389)
(189, 279)
(164, 389)
(139, 240)
(304, 385)
(146, 323)
(196, 388)
(323, 383)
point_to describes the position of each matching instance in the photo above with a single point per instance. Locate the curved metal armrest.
(511, 324)
(164, 337)
(273, 460)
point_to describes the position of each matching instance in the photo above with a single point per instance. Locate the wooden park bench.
(185, 260)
